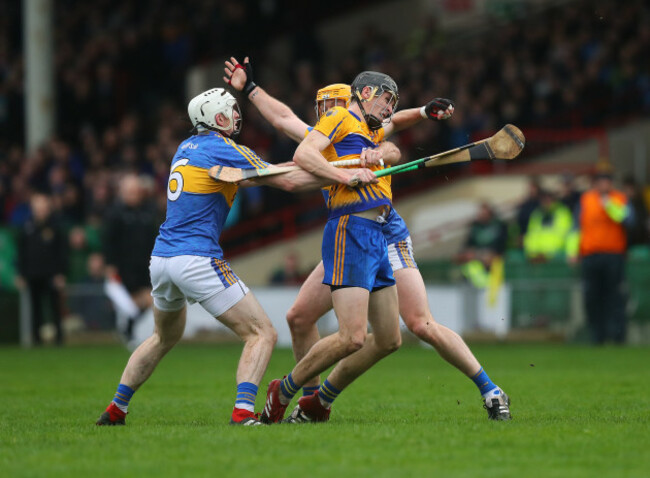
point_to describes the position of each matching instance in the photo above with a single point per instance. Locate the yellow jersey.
(349, 135)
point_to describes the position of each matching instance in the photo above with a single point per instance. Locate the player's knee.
(272, 337)
(168, 339)
(390, 344)
(354, 342)
(298, 320)
(268, 333)
(422, 325)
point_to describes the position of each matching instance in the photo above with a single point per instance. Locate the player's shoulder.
(220, 145)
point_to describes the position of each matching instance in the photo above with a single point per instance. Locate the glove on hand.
(438, 109)
(250, 84)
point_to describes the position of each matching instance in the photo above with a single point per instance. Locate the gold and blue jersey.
(197, 206)
(349, 135)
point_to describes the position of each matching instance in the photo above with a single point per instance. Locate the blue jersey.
(197, 205)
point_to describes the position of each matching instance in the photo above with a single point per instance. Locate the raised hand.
(236, 75)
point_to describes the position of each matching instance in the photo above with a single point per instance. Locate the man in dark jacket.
(41, 265)
(131, 227)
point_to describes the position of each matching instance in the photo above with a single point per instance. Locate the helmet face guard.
(338, 93)
(379, 83)
(237, 121)
(204, 108)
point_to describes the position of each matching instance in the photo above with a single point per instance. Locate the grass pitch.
(577, 412)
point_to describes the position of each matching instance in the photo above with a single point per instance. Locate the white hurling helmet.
(203, 109)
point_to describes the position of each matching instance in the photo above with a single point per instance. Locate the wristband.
(423, 112)
(248, 89)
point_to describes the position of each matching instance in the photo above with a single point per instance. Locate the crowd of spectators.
(120, 88)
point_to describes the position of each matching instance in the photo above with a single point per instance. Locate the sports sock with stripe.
(327, 393)
(483, 382)
(246, 393)
(288, 389)
(123, 397)
(307, 391)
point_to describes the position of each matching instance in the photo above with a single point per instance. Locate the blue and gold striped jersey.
(197, 206)
(349, 136)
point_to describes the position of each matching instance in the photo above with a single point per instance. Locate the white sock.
(284, 400)
(324, 403)
(495, 392)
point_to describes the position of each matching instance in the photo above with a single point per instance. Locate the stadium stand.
(121, 70)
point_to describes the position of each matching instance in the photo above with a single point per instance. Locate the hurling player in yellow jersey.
(314, 299)
(187, 261)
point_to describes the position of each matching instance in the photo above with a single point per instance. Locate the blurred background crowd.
(121, 69)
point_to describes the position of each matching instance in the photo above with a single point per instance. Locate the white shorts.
(208, 281)
(400, 255)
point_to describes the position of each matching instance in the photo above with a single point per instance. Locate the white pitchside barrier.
(461, 308)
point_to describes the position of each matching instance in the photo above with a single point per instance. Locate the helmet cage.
(337, 92)
(378, 115)
(379, 83)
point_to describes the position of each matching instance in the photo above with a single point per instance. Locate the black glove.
(433, 108)
(250, 84)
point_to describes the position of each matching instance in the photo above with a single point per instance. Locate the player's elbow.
(300, 156)
(286, 182)
(291, 186)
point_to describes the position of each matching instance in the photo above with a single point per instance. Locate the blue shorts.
(355, 254)
(400, 247)
(395, 229)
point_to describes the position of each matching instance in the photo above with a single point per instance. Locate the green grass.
(578, 412)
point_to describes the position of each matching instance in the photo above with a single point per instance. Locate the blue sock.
(328, 393)
(246, 393)
(483, 382)
(307, 391)
(288, 387)
(123, 397)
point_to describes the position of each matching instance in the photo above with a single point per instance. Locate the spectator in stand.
(637, 233)
(95, 308)
(289, 273)
(484, 246)
(569, 194)
(526, 208)
(548, 229)
(83, 241)
(600, 243)
(564, 70)
(130, 232)
(41, 265)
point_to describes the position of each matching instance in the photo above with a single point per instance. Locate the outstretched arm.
(294, 181)
(437, 109)
(317, 171)
(281, 117)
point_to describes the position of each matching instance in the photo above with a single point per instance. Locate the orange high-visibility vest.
(599, 233)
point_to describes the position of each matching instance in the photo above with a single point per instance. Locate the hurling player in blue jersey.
(314, 299)
(187, 261)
